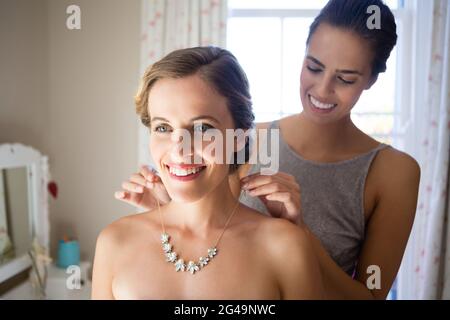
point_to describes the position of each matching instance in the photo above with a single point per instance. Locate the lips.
(184, 172)
(320, 106)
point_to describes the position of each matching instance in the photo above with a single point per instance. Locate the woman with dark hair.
(356, 197)
(241, 254)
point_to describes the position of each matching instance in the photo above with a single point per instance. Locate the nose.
(325, 87)
(182, 147)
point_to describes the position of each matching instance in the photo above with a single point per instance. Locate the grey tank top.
(332, 199)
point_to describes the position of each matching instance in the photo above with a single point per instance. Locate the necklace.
(191, 266)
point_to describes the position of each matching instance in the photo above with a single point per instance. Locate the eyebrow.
(346, 71)
(193, 119)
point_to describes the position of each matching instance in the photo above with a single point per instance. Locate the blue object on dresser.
(68, 253)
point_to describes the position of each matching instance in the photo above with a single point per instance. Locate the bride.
(204, 244)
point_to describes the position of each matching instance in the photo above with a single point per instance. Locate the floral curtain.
(428, 258)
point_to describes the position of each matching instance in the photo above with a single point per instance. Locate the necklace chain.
(191, 266)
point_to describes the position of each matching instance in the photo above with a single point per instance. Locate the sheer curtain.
(167, 25)
(425, 272)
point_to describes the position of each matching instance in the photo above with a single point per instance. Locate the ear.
(372, 81)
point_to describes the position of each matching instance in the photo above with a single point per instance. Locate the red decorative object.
(53, 189)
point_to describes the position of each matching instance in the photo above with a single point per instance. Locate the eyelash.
(313, 70)
(345, 81)
(319, 70)
(205, 125)
(158, 127)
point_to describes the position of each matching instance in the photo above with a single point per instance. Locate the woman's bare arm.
(102, 274)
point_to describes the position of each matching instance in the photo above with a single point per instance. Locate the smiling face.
(188, 104)
(335, 71)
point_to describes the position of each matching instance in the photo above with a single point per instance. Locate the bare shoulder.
(394, 167)
(281, 235)
(292, 259)
(395, 178)
(269, 231)
(398, 159)
(111, 244)
(123, 229)
(277, 236)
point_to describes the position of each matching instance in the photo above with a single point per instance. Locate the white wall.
(24, 111)
(69, 93)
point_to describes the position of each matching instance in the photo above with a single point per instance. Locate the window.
(268, 37)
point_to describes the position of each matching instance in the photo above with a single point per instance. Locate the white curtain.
(425, 272)
(167, 25)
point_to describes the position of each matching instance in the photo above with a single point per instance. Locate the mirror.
(23, 207)
(15, 227)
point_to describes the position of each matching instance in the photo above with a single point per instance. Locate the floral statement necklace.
(191, 266)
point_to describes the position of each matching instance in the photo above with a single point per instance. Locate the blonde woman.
(203, 244)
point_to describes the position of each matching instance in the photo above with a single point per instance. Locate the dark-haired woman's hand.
(142, 190)
(280, 193)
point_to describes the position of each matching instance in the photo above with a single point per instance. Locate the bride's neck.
(210, 212)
